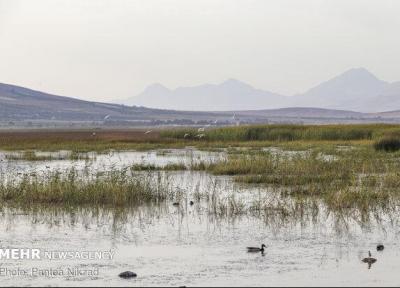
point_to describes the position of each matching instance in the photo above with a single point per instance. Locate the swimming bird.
(175, 204)
(369, 260)
(380, 247)
(127, 275)
(256, 249)
(108, 116)
(191, 203)
(148, 132)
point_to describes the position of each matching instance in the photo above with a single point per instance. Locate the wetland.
(180, 211)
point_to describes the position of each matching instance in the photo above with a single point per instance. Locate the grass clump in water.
(28, 156)
(34, 156)
(115, 188)
(152, 167)
(360, 178)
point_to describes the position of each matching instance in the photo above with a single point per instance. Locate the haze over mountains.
(229, 95)
(23, 104)
(348, 98)
(356, 90)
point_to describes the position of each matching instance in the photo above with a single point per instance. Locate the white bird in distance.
(200, 136)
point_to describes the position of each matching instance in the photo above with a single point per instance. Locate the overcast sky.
(113, 49)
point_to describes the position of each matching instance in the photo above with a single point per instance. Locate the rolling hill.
(22, 104)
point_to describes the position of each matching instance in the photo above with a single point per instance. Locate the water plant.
(153, 167)
(359, 178)
(114, 188)
(30, 155)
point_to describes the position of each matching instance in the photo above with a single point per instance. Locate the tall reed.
(114, 188)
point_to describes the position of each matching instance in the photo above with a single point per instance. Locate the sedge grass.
(152, 167)
(33, 156)
(115, 188)
(358, 178)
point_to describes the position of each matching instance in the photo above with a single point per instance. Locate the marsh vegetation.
(243, 136)
(346, 166)
(389, 143)
(115, 188)
(30, 155)
(299, 189)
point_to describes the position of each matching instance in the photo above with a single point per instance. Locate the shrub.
(388, 144)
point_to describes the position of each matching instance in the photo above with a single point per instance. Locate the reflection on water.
(186, 245)
(204, 243)
(105, 162)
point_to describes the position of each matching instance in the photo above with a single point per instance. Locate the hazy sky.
(113, 49)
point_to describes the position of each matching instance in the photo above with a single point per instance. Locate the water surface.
(195, 245)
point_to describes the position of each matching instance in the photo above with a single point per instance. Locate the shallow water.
(105, 162)
(191, 245)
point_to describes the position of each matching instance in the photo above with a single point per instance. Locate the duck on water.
(256, 249)
(369, 260)
(127, 275)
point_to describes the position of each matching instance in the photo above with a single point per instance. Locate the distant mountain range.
(348, 98)
(356, 89)
(229, 95)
